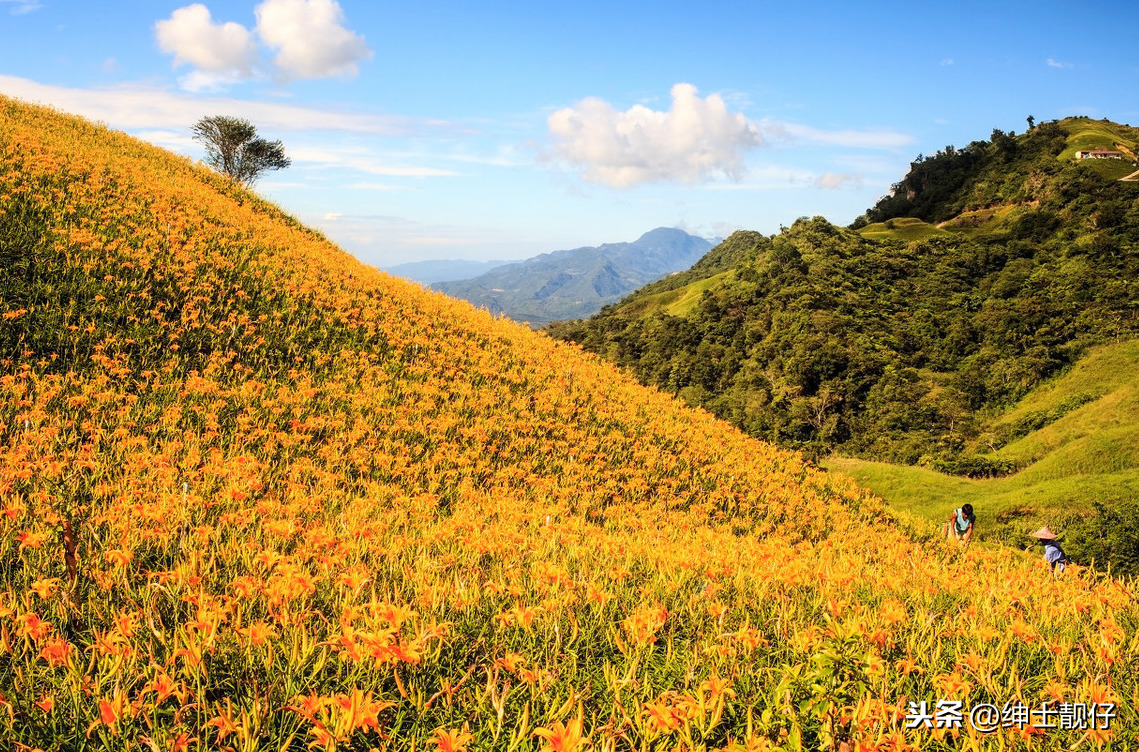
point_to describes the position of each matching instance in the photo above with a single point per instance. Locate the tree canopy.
(234, 148)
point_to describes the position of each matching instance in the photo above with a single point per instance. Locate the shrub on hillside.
(1110, 539)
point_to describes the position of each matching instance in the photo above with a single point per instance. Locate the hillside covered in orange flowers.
(257, 495)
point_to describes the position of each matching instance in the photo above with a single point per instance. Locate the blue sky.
(426, 130)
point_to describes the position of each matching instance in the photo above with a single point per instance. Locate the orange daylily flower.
(562, 737)
(451, 740)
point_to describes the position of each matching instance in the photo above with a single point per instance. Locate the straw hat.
(1044, 534)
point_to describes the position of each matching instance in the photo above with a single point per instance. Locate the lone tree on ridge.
(234, 148)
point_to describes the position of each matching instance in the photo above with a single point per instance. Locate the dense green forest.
(986, 270)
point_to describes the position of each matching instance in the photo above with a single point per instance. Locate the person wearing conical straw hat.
(1053, 554)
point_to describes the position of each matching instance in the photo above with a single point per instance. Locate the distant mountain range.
(576, 283)
(442, 270)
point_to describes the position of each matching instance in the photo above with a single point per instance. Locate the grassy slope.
(677, 301)
(1091, 452)
(1098, 134)
(256, 495)
(905, 228)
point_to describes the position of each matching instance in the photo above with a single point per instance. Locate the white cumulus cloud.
(220, 53)
(310, 38)
(307, 39)
(694, 140)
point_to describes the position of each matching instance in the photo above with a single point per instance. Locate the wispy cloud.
(397, 239)
(873, 139)
(836, 180)
(364, 160)
(180, 141)
(1052, 63)
(20, 7)
(781, 178)
(279, 185)
(135, 106)
(767, 178)
(369, 186)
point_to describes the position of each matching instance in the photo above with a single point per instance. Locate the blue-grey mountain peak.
(576, 283)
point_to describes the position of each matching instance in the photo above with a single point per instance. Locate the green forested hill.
(1029, 184)
(903, 338)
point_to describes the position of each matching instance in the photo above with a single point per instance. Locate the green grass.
(983, 220)
(904, 228)
(1087, 453)
(1100, 370)
(1008, 509)
(676, 302)
(1107, 379)
(1095, 134)
(916, 490)
(1112, 169)
(692, 293)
